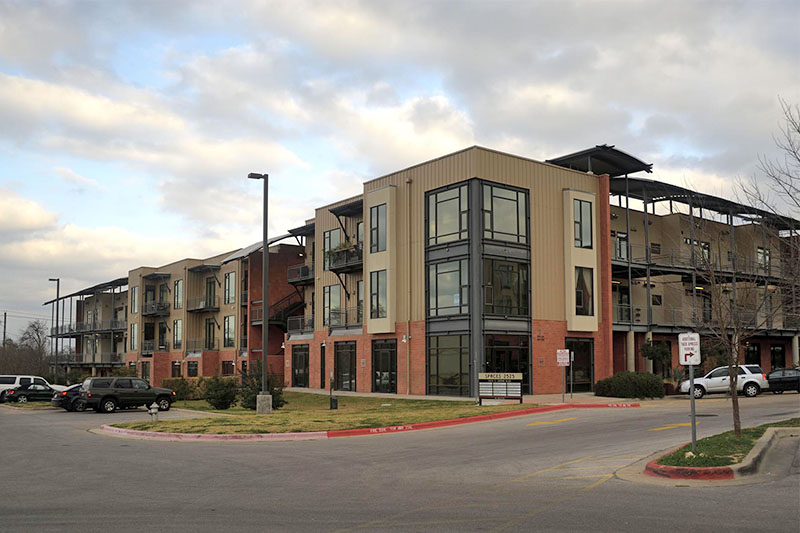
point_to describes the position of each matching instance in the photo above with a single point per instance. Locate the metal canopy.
(255, 247)
(100, 287)
(602, 159)
(155, 276)
(204, 268)
(656, 191)
(308, 229)
(347, 210)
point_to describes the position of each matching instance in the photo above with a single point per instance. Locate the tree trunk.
(733, 374)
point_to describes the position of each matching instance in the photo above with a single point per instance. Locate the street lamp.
(58, 297)
(264, 400)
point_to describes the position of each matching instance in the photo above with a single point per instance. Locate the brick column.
(604, 355)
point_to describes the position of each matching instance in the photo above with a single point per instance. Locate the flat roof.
(255, 247)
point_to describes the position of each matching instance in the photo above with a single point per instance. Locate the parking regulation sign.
(689, 348)
(562, 357)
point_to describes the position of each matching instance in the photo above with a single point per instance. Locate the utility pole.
(58, 297)
(5, 321)
(264, 399)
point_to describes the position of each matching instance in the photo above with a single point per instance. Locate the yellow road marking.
(553, 421)
(598, 482)
(673, 426)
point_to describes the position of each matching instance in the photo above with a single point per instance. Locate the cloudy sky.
(128, 127)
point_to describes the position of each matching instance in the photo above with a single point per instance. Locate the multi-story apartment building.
(481, 261)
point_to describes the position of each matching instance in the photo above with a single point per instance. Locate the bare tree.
(28, 355)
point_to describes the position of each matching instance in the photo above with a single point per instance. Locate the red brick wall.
(603, 349)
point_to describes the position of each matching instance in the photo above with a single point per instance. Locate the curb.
(335, 433)
(748, 466)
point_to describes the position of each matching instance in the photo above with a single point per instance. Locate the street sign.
(689, 349)
(562, 357)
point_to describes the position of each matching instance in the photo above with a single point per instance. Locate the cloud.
(82, 182)
(20, 215)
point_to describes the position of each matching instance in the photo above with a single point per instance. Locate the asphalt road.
(550, 472)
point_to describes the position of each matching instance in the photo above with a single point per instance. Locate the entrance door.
(623, 304)
(344, 365)
(582, 364)
(300, 365)
(509, 353)
(384, 366)
(146, 371)
(752, 354)
(162, 336)
(209, 340)
(777, 356)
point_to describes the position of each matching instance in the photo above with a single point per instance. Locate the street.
(552, 471)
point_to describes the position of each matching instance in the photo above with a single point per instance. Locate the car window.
(101, 383)
(7, 380)
(86, 383)
(789, 373)
(39, 381)
(139, 384)
(35, 387)
(123, 384)
(776, 374)
(718, 373)
(754, 369)
(24, 381)
(740, 370)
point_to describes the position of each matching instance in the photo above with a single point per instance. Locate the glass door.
(582, 364)
(777, 356)
(300, 365)
(509, 353)
(344, 365)
(384, 366)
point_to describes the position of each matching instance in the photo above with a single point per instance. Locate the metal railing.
(155, 308)
(90, 327)
(300, 273)
(300, 324)
(279, 311)
(203, 303)
(198, 345)
(346, 258)
(150, 346)
(243, 341)
(243, 297)
(342, 318)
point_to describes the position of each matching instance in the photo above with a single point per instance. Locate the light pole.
(58, 297)
(264, 400)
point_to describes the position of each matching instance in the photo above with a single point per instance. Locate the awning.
(100, 287)
(155, 276)
(602, 159)
(306, 230)
(349, 209)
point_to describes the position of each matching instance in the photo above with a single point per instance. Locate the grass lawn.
(310, 412)
(32, 405)
(723, 449)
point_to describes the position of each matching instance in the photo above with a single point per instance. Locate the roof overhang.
(602, 159)
(349, 209)
(156, 276)
(306, 230)
(100, 287)
(204, 268)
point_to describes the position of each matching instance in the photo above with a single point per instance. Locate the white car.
(751, 381)
(13, 381)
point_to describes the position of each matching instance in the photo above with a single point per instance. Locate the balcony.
(301, 274)
(151, 346)
(243, 298)
(199, 345)
(300, 324)
(155, 309)
(350, 259)
(346, 318)
(80, 328)
(96, 359)
(203, 304)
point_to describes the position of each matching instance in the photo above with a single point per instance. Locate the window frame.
(229, 285)
(177, 333)
(579, 293)
(580, 233)
(522, 292)
(377, 228)
(433, 274)
(378, 291)
(134, 300)
(522, 201)
(229, 331)
(433, 206)
(327, 245)
(327, 308)
(177, 294)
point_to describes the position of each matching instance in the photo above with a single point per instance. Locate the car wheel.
(751, 390)
(699, 392)
(108, 405)
(22, 399)
(163, 404)
(2, 397)
(79, 406)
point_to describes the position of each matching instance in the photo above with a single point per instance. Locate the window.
(344, 365)
(230, 287)
(708, 310)
(229, 331)
(177, 333)
(360, 300)
(377, 228)
(705, 247)
(777, 356)
(505, 214)
(163, 291)
(209, 338)
(448, 288)
(763, 258)
(227, 368)
(134, 302)
(191, 369)
(331, 304)
(384, 366)
(621, 246)
(176, 369)
(140, 384)
(584, 292)
(448, 365)
(377, 294)
(177, 294)
(505, 288)
(331, 240)
(752, 354)
(134, 337)
(582, 211)
(146, 371)
(655, 299)
(360, 233)
(448, 212)
(244, 367)
(300, 365)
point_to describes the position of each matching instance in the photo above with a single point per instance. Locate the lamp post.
(58, 297)
(264, 400)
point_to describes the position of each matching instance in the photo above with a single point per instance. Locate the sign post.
(571, 360)
(689, 355)
(562, 359)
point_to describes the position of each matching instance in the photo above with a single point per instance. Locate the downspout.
(408, 286)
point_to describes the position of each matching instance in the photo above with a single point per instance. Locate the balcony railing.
(343, 318)
(203, 304)
(89, 327)
(300, 274)
(243, 297)
(97, 358)
(346, 259)
(155, 309)
(198, 345)
(243, 341)
(300, 324)
(150, 346)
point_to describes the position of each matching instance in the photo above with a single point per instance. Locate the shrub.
(631, 385)
(251, 387)
(124, 372)
(185, 389)
(656, 352)
(220, 393)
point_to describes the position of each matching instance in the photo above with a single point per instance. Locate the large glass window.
(300, 365)
(448, 365)
(210, 343)
(582, 211)
(331, 240)
(384, 366)
(230, 287)
(505, 287)
(777, 356)
(360, 300)
(377, 228)
(229, 332)
(508, 353)
(360, 232)
(752, 354)
(505, 214)
(448, 212)
(134, 337)
(176, 369)
(331, 305)
(177, 294)
(344, 365)
(177, 333)
(134, 301)
(377, 294)
(448, 288)
(584, 292)
(191, 369)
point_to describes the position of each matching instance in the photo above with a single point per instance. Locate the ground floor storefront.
(225, 363)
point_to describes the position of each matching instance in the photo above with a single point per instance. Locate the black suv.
(106, 394)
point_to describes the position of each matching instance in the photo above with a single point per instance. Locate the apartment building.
(481, 261)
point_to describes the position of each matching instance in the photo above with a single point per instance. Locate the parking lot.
(549, 471)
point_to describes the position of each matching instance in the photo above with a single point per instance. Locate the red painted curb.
(705, 473)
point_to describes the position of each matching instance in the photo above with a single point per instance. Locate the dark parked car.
(70, 399)
(30, 393)
(106, 394)
(784, 379)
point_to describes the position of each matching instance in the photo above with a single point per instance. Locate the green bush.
(185, 389)
(124, 372)
(251, 387)
(220, 393)
(631, 385)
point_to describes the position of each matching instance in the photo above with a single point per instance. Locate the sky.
(129, 127)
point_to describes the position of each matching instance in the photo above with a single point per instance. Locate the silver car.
(751, 381)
